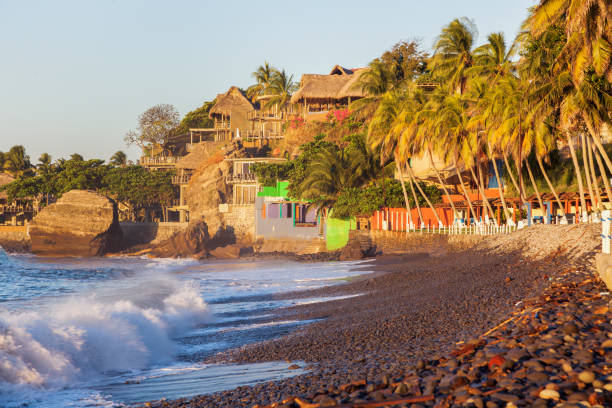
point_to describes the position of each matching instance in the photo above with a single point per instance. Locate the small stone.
(569, 328)
(549, 394)
(506, 397)
(598, 384)
(491, 404)
(586, 377)
(401, 389)
(511, 405)
(583, 356)
(537, 377)
(608, 387)
(607, 344)
(567, 368)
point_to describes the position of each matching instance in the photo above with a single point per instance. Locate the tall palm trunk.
(484, 197)
(535, 186)
(465, 193)
(587, 169)
(578, 174)
(606, 181)
(480, 178)
(514, 183)
(442, 184)
(403, 183)
(416, 200)
(500, 188)
(597, 141)
(552, 188)
(424, 195)
(594, 175)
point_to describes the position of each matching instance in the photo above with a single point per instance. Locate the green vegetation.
(132, 186)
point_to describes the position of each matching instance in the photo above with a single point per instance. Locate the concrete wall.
(396, 242)
(241, 218)
(136, 233)
(279, 228)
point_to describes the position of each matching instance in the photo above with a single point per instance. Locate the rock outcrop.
(81, 223)
(207, 189)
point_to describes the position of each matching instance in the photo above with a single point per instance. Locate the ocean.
(109, 332)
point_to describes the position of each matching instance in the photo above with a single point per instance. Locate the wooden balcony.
(241, 178)
(181, 179)
(158, 161)
(261, 115)
(264, 135)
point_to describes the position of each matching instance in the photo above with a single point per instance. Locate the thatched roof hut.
(232, 100)
(5, 178)
(338, 85)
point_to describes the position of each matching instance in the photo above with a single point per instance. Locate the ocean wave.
(83, 337)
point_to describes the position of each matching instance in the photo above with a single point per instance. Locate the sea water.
(117, 331)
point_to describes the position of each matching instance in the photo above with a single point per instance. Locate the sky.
(75, 75)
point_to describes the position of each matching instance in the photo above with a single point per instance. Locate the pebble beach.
(506, 323)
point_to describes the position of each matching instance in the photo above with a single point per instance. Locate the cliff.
(81, 223)
(206, 190)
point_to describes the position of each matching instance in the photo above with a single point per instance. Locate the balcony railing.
(158, 161)
(268, 134)
(241, 178)
(181, 179)
(260, 115)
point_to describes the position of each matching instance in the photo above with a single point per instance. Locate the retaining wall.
(397, 242)
(241, 218)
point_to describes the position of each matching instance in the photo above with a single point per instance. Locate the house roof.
(232, 100)
(337, 85)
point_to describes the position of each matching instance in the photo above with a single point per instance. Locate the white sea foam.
(106, 332)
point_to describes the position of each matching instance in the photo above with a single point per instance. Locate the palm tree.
(382, 138)
(453, 55)
(118, 159)
(281, 87)
(374, 82)
(17, 162)
(330, 172)
(588, 29)
(263, 79)
(493, 59)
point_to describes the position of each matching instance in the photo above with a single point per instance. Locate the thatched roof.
(232, 100)
(5, 178)
(337, 85)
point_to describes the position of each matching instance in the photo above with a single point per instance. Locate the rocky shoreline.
(396, 344)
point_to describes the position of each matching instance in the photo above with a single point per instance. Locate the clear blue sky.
(75, 75)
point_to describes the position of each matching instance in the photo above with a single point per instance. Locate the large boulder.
(81, 223)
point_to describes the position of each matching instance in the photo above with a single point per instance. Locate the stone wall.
(239, 218)
(137, 233)
(395, 242)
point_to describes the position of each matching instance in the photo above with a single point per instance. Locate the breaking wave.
(107, 332)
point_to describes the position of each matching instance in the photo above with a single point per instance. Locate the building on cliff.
(319, 94)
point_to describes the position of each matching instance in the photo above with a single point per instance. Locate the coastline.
(412, 311)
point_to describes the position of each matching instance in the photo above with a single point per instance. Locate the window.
(244, 194)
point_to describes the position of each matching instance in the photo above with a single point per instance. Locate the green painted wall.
(280, 190)
(337, 232)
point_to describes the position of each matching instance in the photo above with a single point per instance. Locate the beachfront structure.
(230, 114)
(267, 120)
(243, 180)
(278, 217)
(319, 94)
